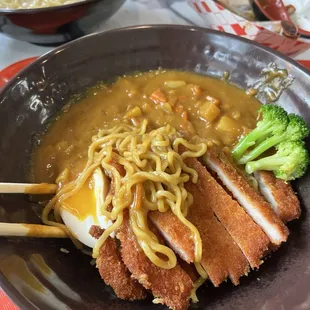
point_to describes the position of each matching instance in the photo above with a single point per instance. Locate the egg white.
(80, 228)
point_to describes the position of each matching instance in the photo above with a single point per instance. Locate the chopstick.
(27, 188)
(31, 230)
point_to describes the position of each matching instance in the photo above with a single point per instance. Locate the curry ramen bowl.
(53, 22)
(134, 130)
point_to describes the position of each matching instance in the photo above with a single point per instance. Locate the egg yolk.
(83, 203)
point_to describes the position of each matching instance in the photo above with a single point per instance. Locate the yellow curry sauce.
(200, 107)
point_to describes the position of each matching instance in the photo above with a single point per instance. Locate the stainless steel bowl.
(58, 24)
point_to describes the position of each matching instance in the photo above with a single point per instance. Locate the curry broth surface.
(184, 100)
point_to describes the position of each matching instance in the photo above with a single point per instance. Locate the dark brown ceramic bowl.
(68, 281)
(58, 24)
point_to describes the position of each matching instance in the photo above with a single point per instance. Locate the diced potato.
(184, 116)
(213, 100)
(226, 124)
(209, 111)
(236, 115)
(196, 90)
(197, 104)
(166, 107)
(209, 143)
(136, 111)
(228, 140)
(174, 84)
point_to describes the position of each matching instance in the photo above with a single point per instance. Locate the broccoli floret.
(289, 162)
(274, 121)
(296, 130)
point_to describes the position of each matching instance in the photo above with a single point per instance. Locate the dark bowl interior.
(59, 24)
(32, 99)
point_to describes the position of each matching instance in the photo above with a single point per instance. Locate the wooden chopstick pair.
(29, 230)
(27, 188)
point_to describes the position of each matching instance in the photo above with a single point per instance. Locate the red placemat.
(305, 63)
(6, 303)
(10, 71)
(5, 76)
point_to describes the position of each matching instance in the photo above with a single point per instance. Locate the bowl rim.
(46, 9)
(64, 46)
(5, 285)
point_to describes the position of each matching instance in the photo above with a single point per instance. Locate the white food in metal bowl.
(33, 4)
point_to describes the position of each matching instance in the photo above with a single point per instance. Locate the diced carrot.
(158, 96)
(188, 128)
(134, 121)
(196, 90)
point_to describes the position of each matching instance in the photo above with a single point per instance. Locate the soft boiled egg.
(82, 210)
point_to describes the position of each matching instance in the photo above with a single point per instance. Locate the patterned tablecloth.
(133, 12)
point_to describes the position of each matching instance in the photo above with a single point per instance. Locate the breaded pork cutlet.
(221, 256)
(254, 204)
(113, 271)
(247, 234)
(176, 234)
(279, 194)
(169, 286)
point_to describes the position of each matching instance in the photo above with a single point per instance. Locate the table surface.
(133, 12)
